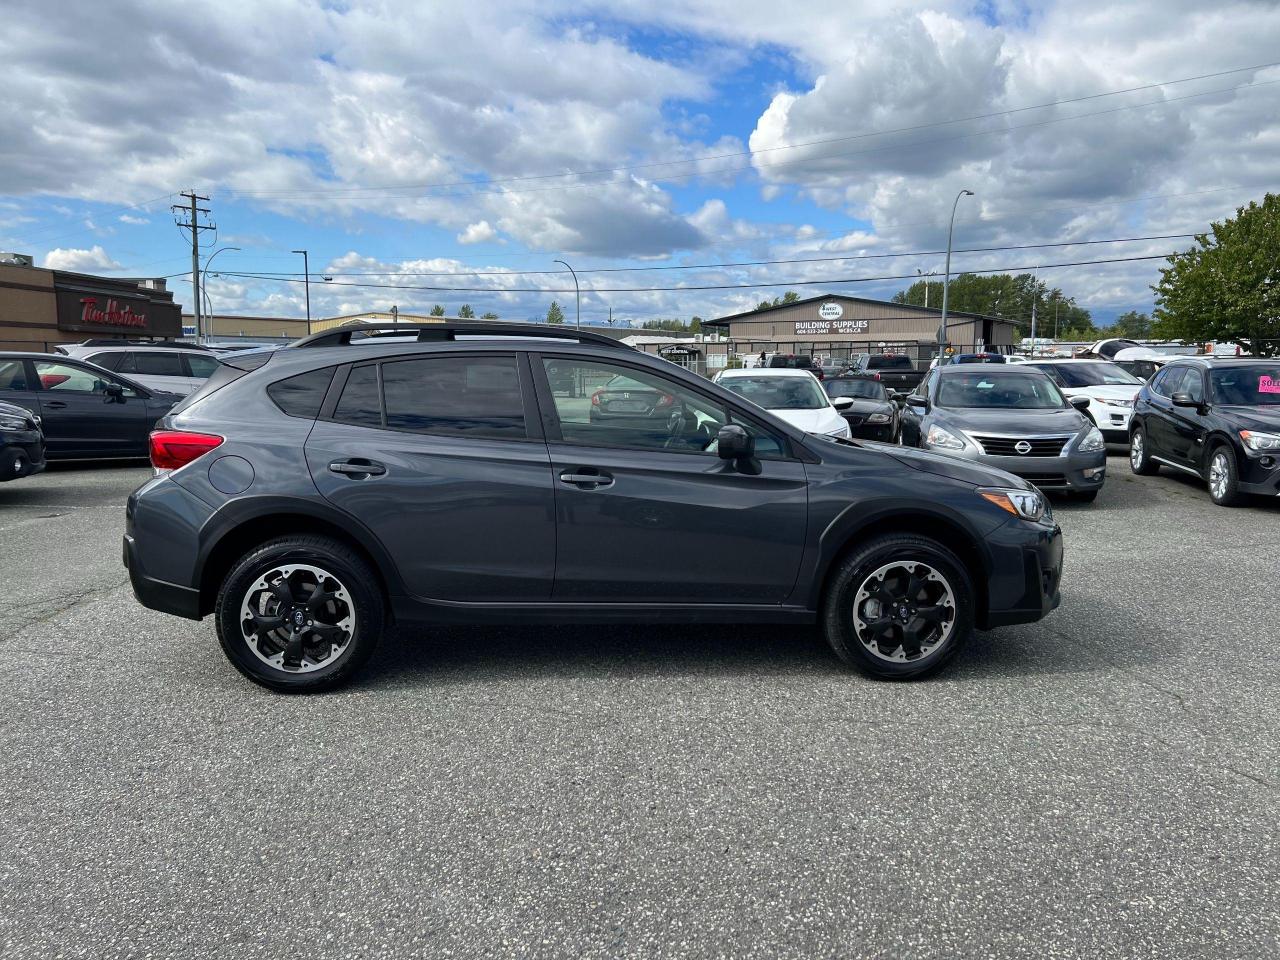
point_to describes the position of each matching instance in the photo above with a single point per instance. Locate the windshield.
(1017, 392)
(1255, 385)
(865, 389)
(779, 393)
(1088, 374)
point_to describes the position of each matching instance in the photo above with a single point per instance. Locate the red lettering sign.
(112, 316)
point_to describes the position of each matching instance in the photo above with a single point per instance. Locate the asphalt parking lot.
(1101, 784)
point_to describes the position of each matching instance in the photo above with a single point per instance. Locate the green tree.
(554, 313)
(466, 313)
(437, 311)
(488, 315)
(1227, 286)
(1132, 324)
(789, 297)
(1002, 295)
(695, 325)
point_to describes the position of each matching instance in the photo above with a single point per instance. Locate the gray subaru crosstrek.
(438, 474)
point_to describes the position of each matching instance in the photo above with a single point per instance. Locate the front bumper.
(882, 432)
(1112, 421)
(1259, 475)
(1048, 473)
(21, 454)
(1023, 585)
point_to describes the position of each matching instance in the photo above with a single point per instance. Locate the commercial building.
(222, 326)
(40, 308)
(835, 326)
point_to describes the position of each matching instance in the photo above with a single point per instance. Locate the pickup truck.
(894, 370)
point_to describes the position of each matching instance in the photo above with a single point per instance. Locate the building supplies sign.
(832, 326)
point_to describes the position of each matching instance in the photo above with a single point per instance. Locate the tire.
(1224, 489)
(1140, 461)
(847, 598)
(277, 655)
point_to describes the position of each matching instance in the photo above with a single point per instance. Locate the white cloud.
(479, 232)
(135, 221)
(73, 258)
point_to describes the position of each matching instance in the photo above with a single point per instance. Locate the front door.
(83, 417)
(436, 456)
(647, 512)
(1186, 425)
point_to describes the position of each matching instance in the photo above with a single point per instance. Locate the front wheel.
(299, 614)
(1224, 478)
(899, 607)
(1140, 461)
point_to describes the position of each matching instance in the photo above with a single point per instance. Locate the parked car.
(305, 496)
(21, 441)
(1143, 362)
(1013, 419)
(894, 370)
(1109, 389)
(168, 366)
(1215, 418)
(1106, 349)
(793, 361)
(872, 413)
(793, 395)
(86, 412)
(627, 398)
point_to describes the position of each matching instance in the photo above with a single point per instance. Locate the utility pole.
(195, 226)
(306, 283)
(1035, 295)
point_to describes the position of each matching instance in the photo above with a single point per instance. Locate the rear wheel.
(1140, 461)
(1224, 479)
(299, 614)
(898, 607)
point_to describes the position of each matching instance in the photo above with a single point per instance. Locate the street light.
(577, 294)
(208, 330)
(306, 282)
(946, 279)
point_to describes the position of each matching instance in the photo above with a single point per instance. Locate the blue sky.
(331, 128)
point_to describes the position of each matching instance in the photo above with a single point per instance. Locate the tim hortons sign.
(84, 309)
(113, 315)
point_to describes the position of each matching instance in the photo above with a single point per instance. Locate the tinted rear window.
(108, 361)
(361, 402)
(158, 364)
(889, 363)
(455, 396)
(302, 395)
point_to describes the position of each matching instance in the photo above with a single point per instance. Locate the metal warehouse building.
(835, 326)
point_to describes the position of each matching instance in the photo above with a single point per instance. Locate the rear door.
(647, 512)
(440, 457)
(161, 370)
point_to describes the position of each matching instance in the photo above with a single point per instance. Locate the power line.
(283, 194)
(715, 266)
(694, 288)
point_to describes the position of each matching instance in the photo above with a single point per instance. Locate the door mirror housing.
(917, 401)
(736, 445)
(842, 403)
(113, 393)
(1182, 399)
(1080, 403)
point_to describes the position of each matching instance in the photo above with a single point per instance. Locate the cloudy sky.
(413, 145)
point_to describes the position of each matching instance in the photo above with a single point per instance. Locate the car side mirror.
(842, 403)
(898, 397)
(113, 393)
(1080, 403)
(917, 401)
(1181, 399)
(735, 444)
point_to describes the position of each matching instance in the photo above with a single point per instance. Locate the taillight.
(666, 400)
(595, 398)
(171, 449)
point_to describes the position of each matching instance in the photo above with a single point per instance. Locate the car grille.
(1005, 446)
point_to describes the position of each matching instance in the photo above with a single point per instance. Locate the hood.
(866, 405)
(1263, 419)
(13, 410)
(1056, 421)
(956, 468)
(811, 421)
(1112, 391)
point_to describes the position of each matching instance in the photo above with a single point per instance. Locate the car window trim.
(551, 419)
(329, 405)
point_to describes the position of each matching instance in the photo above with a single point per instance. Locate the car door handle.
(587, 480)
(56, 404)
(358, 469)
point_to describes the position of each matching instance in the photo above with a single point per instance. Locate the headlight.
(1092, 441)
(1112, 403)
(878, 418)
(944, 438)
(840, 431)
(12, 423)
(1027, 504)
(1260, 441)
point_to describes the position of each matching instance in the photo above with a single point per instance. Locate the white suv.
(160, 366)
(1110, 389)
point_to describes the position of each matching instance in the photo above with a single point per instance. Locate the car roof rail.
(121, 342)
(448, 332)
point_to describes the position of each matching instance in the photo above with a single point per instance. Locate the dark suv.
(305, 497)
(1218, 419)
